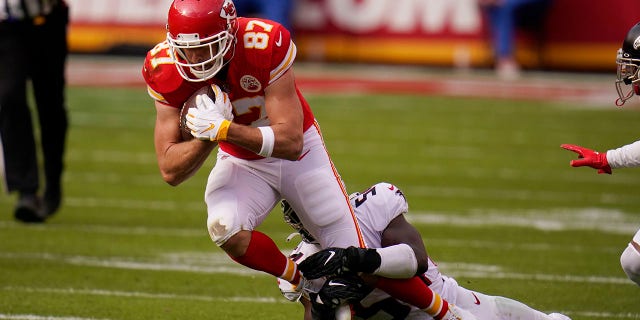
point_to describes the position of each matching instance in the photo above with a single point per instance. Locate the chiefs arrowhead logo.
(228, 10)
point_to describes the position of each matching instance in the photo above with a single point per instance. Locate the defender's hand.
(588, 157)
(337, 291)
(339, 261)
(206, 122)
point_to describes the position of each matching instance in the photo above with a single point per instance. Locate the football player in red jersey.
(270, 148)
(270, 145)
(627, 156)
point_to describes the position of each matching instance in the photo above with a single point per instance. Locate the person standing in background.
(33, 48)
(504, 18)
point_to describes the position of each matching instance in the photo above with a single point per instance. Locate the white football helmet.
(201, 35)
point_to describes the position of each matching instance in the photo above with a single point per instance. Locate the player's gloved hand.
(210, 120)
(339, 261)
(337, 291)
(588, 157)
(222, 103)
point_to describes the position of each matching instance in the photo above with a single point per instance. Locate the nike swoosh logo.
(331, 283)
(331, 254)
(392, 187)
(477, 300)
(211, 127)
(279, 41)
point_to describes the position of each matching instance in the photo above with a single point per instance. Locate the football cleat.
(457, 313)
(294, 292)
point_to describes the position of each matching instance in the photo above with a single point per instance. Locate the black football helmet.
(291, 218)
(628, 61)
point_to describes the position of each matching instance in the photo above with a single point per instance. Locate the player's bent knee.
(630, 262)
(220, 230)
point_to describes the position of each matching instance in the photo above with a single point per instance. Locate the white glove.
(207, 120)
(222, 103)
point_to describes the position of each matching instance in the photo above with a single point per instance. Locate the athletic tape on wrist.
(222, 132)
(268, 141)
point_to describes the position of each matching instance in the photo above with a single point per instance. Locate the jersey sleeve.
(282, 58)
(394, 201)
(380, 204)
(625, 157)
(164, 83)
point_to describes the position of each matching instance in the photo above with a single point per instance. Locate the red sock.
(415, 292)
(263, 255)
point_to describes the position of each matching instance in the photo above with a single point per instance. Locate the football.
(191, 103)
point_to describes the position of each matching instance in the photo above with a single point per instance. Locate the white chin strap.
(203, 75)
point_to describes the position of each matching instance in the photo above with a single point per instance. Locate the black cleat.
(29, 209)
(51, 201)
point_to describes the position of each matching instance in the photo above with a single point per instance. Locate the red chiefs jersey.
(264, 51)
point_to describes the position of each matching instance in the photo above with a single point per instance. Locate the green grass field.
(489, 187)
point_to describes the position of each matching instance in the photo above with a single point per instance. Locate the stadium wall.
(573, 34)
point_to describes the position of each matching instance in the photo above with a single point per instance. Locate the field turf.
(489, 187)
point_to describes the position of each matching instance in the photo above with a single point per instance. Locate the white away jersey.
(625, 157)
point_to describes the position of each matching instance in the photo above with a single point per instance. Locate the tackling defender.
(627, 85)
(401, 253)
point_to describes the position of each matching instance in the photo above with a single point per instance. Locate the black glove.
(336, 291)
(339, 261)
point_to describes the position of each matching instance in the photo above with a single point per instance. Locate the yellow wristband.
(222, 132)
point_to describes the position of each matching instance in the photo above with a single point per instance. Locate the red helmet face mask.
(201, 36)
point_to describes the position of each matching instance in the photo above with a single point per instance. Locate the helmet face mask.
(201, 37)
(627, 74)
(628, 66)
(204, 66)
(292, 219)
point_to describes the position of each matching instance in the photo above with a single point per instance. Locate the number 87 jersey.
(263, 52)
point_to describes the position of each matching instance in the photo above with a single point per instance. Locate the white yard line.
(219, 263)
(610, 221)
(146, 295)
(603, 220)
(135, 294)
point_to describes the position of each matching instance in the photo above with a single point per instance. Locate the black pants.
(37, 53)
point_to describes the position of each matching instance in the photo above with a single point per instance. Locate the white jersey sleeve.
(625, 157)
(375, 208)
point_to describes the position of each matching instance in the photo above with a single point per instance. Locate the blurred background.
(415, 92)
(557, 35)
